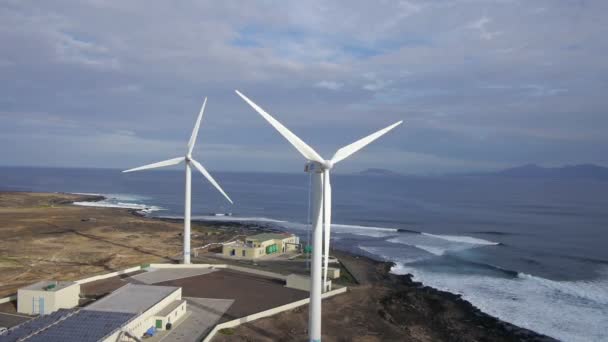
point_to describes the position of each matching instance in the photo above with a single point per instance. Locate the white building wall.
(28, 301)
(143, 322)
(171, 317)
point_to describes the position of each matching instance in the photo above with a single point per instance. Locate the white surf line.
(349, 226)
(462, 239)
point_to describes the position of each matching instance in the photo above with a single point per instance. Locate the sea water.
(528, 251)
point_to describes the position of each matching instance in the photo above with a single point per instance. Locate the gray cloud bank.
(480, 84)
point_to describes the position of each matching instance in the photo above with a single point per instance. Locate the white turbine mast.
(189, 161)
(321, 207)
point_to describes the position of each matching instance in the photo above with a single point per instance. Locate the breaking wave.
(120, 201)
(464, 239)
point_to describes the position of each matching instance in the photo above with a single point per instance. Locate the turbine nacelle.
(316, 167)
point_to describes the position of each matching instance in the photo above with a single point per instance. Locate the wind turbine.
(321, 207)
(189, 161)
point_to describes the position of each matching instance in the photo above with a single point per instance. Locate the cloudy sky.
(480, 84)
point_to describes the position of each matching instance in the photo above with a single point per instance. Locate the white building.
(46, 297)
(155, 306)
(127, 312)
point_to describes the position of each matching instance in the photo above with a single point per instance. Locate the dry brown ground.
(43, 236)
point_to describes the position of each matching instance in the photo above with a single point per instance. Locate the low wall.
(267, 313)
(219, 266)
(82, 281)
(108, 275)
(8, 299)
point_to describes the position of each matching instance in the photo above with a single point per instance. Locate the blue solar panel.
(31, 326)
(84, 326)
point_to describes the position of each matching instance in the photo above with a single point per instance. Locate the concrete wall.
(28, 301)
(333, 272)
(108, 275)
(300, 282)
(267, 313)
(8, 299)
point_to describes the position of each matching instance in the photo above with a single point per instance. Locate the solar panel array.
(84, 326)
(31, 326)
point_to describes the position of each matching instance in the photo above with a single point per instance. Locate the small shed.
(47, 296)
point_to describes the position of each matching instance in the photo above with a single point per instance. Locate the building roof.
(170, 307)
(45, 284)
(69, 326)
(132, 298)
(269, 236)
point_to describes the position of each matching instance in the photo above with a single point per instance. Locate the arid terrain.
(44, 236)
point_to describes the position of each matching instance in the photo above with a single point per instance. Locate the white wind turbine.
(189, 161)
(321, 207)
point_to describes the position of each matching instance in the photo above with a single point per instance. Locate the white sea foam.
(350, 226)
(462, 238)
(432, 250)
(567, 310)
(375, 232)
(122, 201)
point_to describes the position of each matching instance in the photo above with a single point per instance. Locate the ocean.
(531, 252)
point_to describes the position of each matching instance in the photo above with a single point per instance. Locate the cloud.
(331, 85)
(480, 24)
(479, 83)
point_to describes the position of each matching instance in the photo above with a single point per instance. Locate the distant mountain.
(378, 172)
(582, 171)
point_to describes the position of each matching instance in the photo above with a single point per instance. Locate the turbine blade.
(346, 151)
(300, 145)
(163, 163)
(209, 178)
(326, 222)
(197, 125)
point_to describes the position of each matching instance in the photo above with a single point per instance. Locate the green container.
(272, 249)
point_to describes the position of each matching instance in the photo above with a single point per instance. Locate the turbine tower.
(321, 207)
(189, 161)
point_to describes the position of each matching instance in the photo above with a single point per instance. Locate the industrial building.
(46, 297)
(258, 246)
(128, 312)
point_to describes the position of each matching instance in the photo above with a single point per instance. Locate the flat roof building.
(260, 245)
(45, 297)
(129, 311)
